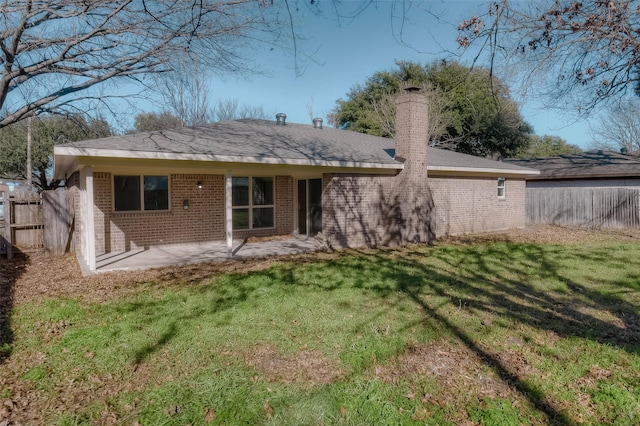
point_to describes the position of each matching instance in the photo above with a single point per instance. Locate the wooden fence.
(592, 207)
(59, 221)
(23, 222)
(33, 222)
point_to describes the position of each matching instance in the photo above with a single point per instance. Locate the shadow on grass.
(10, 272)
(492, 279)
(143, 353)
(499, 279)
(542, 287)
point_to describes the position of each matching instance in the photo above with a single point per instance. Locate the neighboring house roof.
(14, 184)
(265, 142)
(590, 164)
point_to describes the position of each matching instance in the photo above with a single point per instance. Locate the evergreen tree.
(471, 110)
(47, 131)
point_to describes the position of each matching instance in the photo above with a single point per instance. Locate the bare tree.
(185, 91)
(229, 109)
(308, 105)
(586, 52)
(619, 130)
(54, 51)
(440, 115)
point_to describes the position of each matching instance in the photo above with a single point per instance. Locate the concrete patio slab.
(169, 255)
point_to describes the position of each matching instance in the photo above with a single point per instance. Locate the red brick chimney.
(412, 129)
(412, 204)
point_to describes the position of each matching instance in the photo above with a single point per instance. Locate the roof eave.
(66, 151)
(483, 170)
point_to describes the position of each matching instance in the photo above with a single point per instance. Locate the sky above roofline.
(338, 53)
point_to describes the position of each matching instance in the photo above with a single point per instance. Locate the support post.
(88, 230)
(228, 200)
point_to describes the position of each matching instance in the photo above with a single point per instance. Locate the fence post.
(6, 207)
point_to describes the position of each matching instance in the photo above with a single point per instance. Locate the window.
(252, 202)
(501, 188)
(136, 193)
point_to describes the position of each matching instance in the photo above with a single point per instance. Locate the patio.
(158, 256)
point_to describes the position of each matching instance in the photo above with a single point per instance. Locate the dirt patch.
(307, 367)
(255, 239)
(458, 371)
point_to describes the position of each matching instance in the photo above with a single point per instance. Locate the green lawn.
(492, 333)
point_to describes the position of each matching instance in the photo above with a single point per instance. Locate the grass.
(493, 333)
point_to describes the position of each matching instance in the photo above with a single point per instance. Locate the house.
(591, 169)
(595, 188)
(16, 185)
(244, 178)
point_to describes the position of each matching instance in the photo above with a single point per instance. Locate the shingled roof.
(590, 164)
(265, 142)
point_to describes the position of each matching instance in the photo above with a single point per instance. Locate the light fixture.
(199, 184)
(185, 204)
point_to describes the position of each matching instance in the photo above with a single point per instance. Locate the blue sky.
(346, 52)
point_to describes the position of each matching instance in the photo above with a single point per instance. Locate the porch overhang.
(67, 159)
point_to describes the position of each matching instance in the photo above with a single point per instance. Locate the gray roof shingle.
(251, 140)
(590, 164)
(254, 139)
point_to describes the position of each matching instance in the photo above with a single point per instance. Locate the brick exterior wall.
(203, 221)
(358, 210)
(471, 205)
(355, 209)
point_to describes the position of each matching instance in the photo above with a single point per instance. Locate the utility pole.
(29, 167)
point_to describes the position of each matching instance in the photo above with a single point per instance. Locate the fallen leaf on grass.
(268, 411)
(420, 415)
(174, 409)
(209, 415)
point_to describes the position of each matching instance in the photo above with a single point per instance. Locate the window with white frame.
(140, 193)
(502, 185)
(252, 202)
